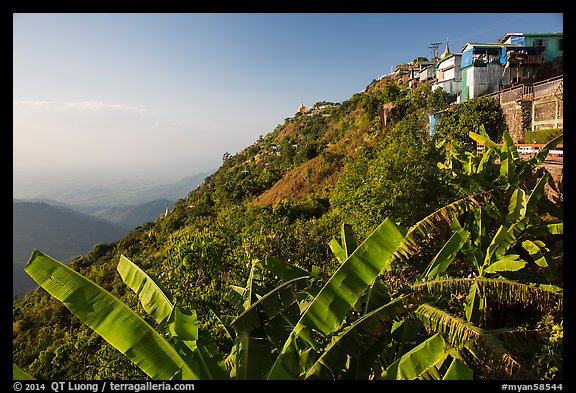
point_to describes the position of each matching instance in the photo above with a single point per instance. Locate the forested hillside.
(287, 197)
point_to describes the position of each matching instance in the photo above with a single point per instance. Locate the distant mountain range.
(133, 216)
(129, 216)
(93, 197)
(57, 231)
(69, 227)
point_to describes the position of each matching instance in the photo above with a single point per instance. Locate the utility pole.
(434, 46)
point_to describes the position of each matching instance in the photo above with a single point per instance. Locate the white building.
(449, 73)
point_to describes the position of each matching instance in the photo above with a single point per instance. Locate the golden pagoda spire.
(446, 51)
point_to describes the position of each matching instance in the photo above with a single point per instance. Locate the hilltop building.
(550, 46)
(553, 43)
(301, 108)
(320, 108)
(415, 70)
(517, 58)
(522, 71)
(449, 73)
(481, 68)
(427, 73)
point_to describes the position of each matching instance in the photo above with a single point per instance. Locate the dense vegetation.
(484, 278)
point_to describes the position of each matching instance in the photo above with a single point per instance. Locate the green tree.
(372, 101)
(398, 179)
(437, 100)
(455, 124)
(419, 59)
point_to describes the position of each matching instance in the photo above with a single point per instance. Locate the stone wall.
(531, 107)
(547, 113)
(518, 118)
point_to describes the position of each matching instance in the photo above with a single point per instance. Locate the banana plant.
(512, 168)
(326, 314)
(265, 321)
(355, 348)
(497, 253)
(498, 167)
(179, 351)
(305, 304)
(501, 244)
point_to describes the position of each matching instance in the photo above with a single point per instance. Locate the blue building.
(516, 58)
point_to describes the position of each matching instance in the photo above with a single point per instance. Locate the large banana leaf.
(329, 308)
(543, 152)
(109, 317)
(522, 204)
(507, 164)
(347, 285)
(425, 357)
(154, 299)
(197, 348)
(200, 353)
(269, 305)
(377, 293)
(508, 263)
(253, 349)
(284, 271)
(458, 370)
(510, 146)
(446, 255)
(484, 166)
(537, 250)
(504, 239)
(517, 206)
(535, 195)
(359, 337)
(483, 139)
(428, 226)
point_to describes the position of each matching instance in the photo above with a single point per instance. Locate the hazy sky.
(147, 95)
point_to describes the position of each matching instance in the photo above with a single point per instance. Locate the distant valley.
(57, 231)
(69, 227)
